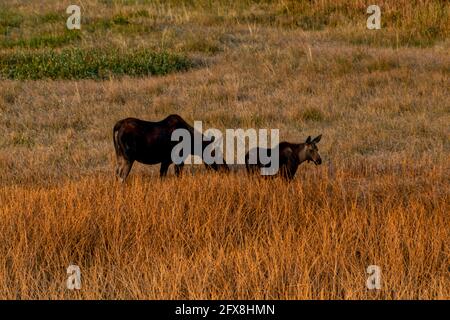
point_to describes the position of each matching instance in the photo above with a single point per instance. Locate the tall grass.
(219, 237)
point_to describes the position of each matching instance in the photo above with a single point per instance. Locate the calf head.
(311, 150)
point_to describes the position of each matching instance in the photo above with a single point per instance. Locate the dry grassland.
(381, 197)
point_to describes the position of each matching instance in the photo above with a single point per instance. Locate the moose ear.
(317, 139)
(308, 140)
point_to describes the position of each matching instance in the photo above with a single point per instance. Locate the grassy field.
(380, 98)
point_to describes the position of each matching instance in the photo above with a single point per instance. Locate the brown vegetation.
(380, 197)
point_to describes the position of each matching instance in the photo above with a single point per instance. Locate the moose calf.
(291, 155)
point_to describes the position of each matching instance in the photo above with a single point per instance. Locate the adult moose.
(150, 143)
(291, 155)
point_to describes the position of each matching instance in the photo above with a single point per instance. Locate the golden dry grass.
(381, 197)
(215, 236)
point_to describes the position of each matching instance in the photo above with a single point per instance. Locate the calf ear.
(308, 140)
(317, 139)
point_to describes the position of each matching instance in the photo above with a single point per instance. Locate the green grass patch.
(22, 140)
(120, 20)
(140, 14)
(51, 17)
(78, 63)
(42, 41)
(311, 114)
(10, 18)
(202, 45)
(120, 23)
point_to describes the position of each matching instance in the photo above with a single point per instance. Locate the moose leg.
(163, 169)
(120, 163)
(117, 170)
(124, 169)
(289, 169)
(179, 169)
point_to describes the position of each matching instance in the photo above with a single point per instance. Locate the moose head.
(311, 152)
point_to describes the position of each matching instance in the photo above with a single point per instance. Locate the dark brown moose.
(291, 155)
(150, 143)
